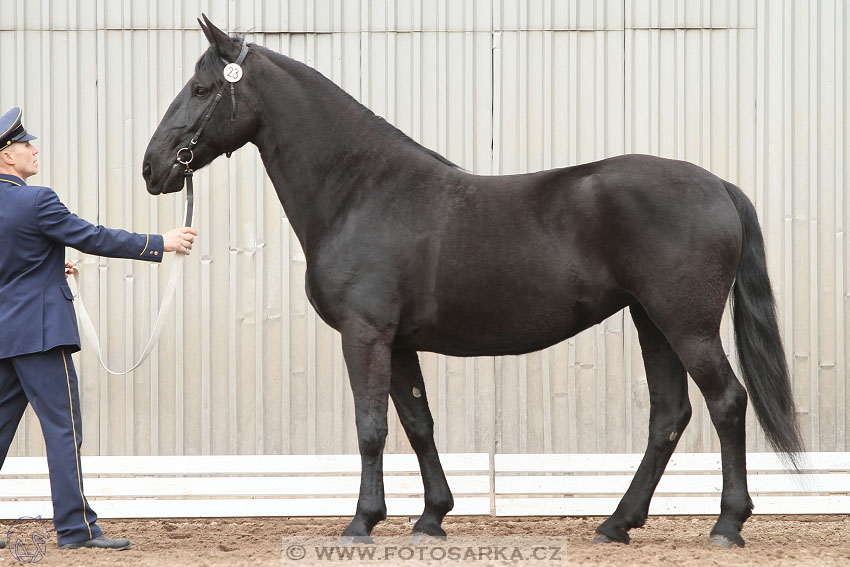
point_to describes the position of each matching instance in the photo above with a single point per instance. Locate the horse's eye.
(200, 91)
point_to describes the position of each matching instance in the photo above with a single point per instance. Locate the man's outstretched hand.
(179, 239)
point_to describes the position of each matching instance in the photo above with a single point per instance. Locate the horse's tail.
(760, 352)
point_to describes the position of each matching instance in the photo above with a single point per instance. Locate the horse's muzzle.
(170, 182)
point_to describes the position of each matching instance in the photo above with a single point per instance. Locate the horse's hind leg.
(669, 414)
(727, 404)
(408, 393)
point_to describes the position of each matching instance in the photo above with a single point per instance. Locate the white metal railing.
(501, 485)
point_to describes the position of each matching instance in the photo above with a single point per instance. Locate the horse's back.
(597, 218)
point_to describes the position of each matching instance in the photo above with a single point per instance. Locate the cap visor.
(26, 138)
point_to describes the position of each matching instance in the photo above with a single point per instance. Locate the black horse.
(407, 252)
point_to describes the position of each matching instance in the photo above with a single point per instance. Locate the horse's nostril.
(146, 171)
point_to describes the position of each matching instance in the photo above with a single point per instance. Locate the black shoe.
(101, 542)
(2, 543)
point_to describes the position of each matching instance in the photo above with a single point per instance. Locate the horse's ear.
(206, 30)
(226, 46)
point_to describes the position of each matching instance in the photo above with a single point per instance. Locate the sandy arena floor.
(822, 541)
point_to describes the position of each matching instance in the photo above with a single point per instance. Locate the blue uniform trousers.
(47, 380)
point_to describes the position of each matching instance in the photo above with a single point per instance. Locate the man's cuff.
(153, 249)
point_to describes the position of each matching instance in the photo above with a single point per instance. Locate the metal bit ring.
(191, 156)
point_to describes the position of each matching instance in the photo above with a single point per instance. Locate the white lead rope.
(167, 301)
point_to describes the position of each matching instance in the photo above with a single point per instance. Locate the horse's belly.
(482, 327)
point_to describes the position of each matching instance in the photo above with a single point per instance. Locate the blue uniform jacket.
(36, 308)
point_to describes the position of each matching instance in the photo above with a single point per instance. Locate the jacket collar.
(14, 180)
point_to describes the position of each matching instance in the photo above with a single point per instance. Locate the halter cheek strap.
(239, 60)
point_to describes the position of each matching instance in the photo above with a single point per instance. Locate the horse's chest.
(337, 294)
(317, 295)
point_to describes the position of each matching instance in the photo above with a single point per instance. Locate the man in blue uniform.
(38, 326)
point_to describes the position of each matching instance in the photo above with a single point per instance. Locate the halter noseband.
(232, 72)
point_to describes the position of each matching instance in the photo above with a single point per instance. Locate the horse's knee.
(371, 440)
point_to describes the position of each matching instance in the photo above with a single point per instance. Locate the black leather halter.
(185, 155)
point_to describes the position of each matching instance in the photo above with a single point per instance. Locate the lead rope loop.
(167, 301)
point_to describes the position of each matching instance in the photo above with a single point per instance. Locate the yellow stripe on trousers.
(76, 450)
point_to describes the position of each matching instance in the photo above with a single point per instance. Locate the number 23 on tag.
(232, 72)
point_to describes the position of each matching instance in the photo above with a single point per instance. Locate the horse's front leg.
(368, 355)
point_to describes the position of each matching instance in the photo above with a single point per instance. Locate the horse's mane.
(211, 63)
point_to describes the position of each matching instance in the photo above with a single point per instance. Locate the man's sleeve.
(64, 227)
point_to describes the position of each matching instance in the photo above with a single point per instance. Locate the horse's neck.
(322, 152)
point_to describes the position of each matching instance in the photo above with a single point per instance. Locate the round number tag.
(232, 72)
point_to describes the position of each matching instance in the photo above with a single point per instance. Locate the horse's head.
(225, 131)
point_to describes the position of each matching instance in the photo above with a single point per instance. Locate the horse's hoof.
(718, 540)
(427, 528)
(602, 538)
(354, 540)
